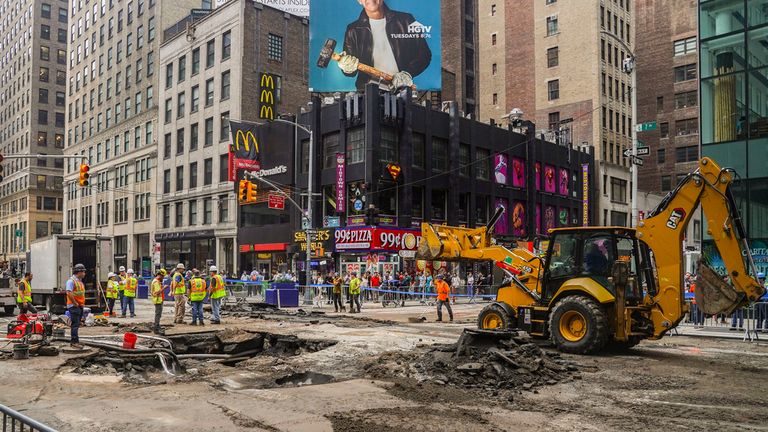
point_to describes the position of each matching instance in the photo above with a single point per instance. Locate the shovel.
(715, 296)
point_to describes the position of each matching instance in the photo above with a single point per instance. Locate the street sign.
(636, 161)
(643, 151)
(645, 127)
(276, 201)
(331, 221)
(628, 153)
(19, 233)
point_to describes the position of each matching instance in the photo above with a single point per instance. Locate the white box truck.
(51, 260)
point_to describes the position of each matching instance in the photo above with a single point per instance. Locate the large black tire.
(619, 346)
(9, 309)
(493, 317)
(578, 325)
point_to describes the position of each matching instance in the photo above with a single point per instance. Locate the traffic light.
(242, 191)
(84, 169)
(252, 190)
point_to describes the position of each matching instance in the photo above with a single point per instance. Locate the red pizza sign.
(376, 239)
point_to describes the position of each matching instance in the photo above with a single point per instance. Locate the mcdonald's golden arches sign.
(267, 96)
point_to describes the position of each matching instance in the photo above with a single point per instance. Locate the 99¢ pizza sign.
(376, 239)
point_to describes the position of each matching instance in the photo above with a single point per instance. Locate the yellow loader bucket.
(714, 295)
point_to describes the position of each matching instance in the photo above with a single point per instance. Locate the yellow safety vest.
(354, 286)
(197, 289)
(157, 292)
(218, 289)
(26, 292)
(181, 287)
(112, 288)
(130, 287)
(121, 283)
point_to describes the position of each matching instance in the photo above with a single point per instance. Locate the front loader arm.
(664, 231)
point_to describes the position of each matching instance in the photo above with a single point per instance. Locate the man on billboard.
(388, 40)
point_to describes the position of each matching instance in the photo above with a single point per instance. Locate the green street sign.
(645, 127)
(19, 233)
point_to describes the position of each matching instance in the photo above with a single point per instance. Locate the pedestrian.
(443, 297)
(76, 302)
(121, 278)
(112, 293)
(429, 282)
(131, 283)
(338, 305)
(470, 285)
(158, 296)
(216, 291)
(196, 296)
(354, 292)
(179, 289)
(24, 295)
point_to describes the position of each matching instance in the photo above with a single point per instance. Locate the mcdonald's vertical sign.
(267, 96)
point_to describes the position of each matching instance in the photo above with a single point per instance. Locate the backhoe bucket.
(713, 295)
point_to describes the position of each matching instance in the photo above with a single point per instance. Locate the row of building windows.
(210, 55)
(113, 147)
(194, 136)
(193, 171)
(194, 106)
(192, 209)
(122, 112)
(119, 212)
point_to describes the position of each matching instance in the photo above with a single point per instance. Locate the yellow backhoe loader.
(601, 286)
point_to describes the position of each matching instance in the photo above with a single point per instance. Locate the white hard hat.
(130, 271)
(214, 269)
(111, 275)
(122, 268)
(180, 265)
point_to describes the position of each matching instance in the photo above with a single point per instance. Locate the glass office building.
(733, 72)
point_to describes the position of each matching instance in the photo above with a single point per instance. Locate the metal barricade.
(14, 421)
(316, 295)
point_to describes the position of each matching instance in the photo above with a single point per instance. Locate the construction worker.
(76, 302)
(158, 296)
(354, 293)
(196, 296)
(112, 293)
(179, 290)
(131, 284)
(337, 304)
(24, 294)
(443, 297)
(121, 278)
(216, 291)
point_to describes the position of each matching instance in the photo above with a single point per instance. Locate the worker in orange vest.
(443, 297)
(76, 302)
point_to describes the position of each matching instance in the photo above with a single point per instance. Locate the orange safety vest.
(197, 289)
(693, 290)
(442, 290)
(78, 291)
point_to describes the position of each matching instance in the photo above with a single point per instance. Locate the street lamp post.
(629, 67)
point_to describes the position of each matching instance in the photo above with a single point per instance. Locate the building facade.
(33, 69)
(459, 53)
(112, 111)
(667, 81)
(211, 70)
(733, 70)
(404, 163)
(560, 62)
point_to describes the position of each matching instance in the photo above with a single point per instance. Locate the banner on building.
(563, 181)
(518, 219)
(518, 172)
(502, 226)
(500, 168)
(341, 183)
(585, 194)
(376, 239)
(393, 43)
(261, 148)
(550, 183)
(299, 8)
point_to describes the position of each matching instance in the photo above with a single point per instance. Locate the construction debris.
(481, 359)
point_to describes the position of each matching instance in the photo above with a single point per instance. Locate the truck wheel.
(8, 309)
(578, 325)
(493, 317)
(619, 346)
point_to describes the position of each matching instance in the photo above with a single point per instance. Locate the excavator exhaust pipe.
(715, 296)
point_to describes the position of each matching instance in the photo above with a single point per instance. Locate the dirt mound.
(491, 361)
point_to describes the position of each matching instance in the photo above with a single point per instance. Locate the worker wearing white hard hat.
(179, 290)
(216, 292)
(131, 286)
(121, 278)
(111, 294)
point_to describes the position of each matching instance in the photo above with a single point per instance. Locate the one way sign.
(641, 151)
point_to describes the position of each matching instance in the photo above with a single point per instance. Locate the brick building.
(459, 53)
(667, 81)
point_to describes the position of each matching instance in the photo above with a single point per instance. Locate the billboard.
(393, 43)
(500, 168)
(293, 7)
(378, 239)
(261, 148)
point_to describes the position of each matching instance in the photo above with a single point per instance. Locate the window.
(666, 183)
(464, 160)
(181, 103)
(661, 156)
(226, 45)
(493, 39)
(207, 171)
(554, 120)
(664, 130)
(223, 168)
(42, 139)
(150, 63)
(439, 155)
(493, 10)
(151, 29)
(195, 61)
(45, 10)
(166, 146)
(42, 117)
(45, 32)
(388, 145)
(686, 154)
(419, 151)
(193, 175)
(660, 104)
(180, 141)
(225, 85)
(168, 110)
(179, 214)
(685, 73)
(195, 98)
(42, 96)
(182, 68)
(210, 52)
(618, 190)
(224, 126)
(687, 127)
(355, 145)
(167, 181)
(483, 163)
(169, 75)
(44, 74)
(45, 53)
(686, 100)
(274, 47)
(551, 1)
(685, 46)
(209, 92)
(552, 25)
(495, 98)
(223, 209)
(553, 57)
(494, 68)
(193, 212)
(179, 178)
(209, 131)
(207, 211)
(553, 90)
(194, 132)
